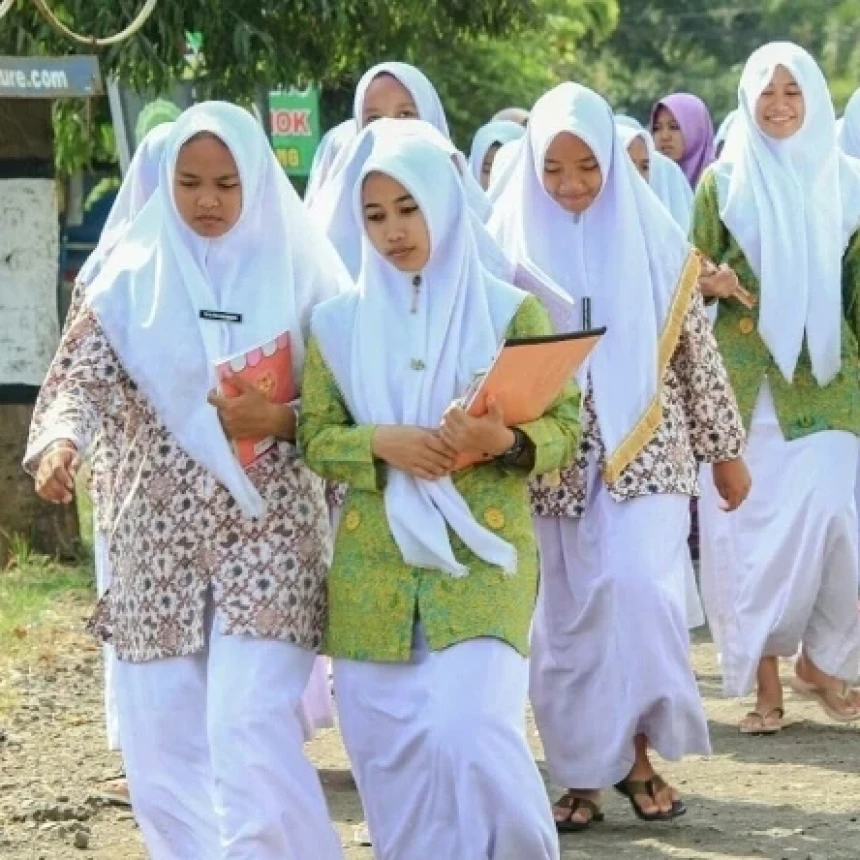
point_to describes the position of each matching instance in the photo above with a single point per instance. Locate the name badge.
(221, 316)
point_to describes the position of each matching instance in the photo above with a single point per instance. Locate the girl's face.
(640, 158)
(487, 166)
(780, 109)
(394, 223)
(387, 97)
(571, 173)
(206, 186)
(667, 134)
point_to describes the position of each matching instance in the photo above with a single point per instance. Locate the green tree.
(660, 46)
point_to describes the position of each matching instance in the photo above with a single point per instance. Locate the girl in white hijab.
(666, 179)
(217, 601)
(400, 91)
(333, 211)
(610, 671)
(334, 141)
(487, 142)
(434, 574)
(782, 208)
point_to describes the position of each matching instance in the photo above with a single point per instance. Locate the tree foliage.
(253, 43)
(661, 46)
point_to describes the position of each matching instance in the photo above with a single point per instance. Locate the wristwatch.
(514, 454)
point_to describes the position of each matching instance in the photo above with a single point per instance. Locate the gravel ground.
(795, 796)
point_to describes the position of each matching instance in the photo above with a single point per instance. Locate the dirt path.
(791, 797)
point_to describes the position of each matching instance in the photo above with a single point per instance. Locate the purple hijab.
(693, 116)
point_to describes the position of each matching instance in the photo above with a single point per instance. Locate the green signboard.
(295, 128)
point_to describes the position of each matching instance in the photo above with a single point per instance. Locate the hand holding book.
(488, 433)
(249, 414)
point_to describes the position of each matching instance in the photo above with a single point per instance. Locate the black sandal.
(633, 788)
(573, 802)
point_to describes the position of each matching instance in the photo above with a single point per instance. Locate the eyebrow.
(187, 174)
(371, 108)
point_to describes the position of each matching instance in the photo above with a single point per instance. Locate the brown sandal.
(633, 788)
(574, 803)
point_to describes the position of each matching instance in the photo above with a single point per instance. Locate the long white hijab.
(333, 212)
(496, 133)
(625, 253)
(666, 179)
(272, 267)
(849, 127)
(416, 82)
(138, 185)
(373, 343)
(334, 141)
(792, 205)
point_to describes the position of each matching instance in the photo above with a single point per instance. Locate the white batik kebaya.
(150, 295)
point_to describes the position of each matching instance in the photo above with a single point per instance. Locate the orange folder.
(269, 368)
(527, 376)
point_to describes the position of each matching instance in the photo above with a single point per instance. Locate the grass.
(33, 590)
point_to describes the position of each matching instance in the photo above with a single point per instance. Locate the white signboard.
(29, 267)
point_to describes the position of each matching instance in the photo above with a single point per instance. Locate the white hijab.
(503, 167)
(792, 206)
(420, 88)
(625, 253)
(849, 127)
(665, 177)
(272, 267)
(430, 110)
(722, 134)
(496, 133)
(137, 187)
(334, 141)
(333, 211)
(463, 314)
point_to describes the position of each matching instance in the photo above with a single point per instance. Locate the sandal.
(762, 728)
(819, 695)
(633, 788)
(574, 803)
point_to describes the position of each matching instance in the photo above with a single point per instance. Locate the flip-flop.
(818, 695)
(633, 788)
(763, 729)
(573, 803)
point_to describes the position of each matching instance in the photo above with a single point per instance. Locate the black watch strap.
(514, 454)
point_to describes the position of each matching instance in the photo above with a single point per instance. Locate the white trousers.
(782, 570)
(213, 752)
(439, 752)
(610, 643)
(101, 562)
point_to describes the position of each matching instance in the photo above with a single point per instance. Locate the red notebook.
(268, 367)
(528, 374)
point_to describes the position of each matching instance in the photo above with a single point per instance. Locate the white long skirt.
(439, 753)
(610, 641)
(782, 570)
(101, 561)
(213, 752)
(316, 709)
